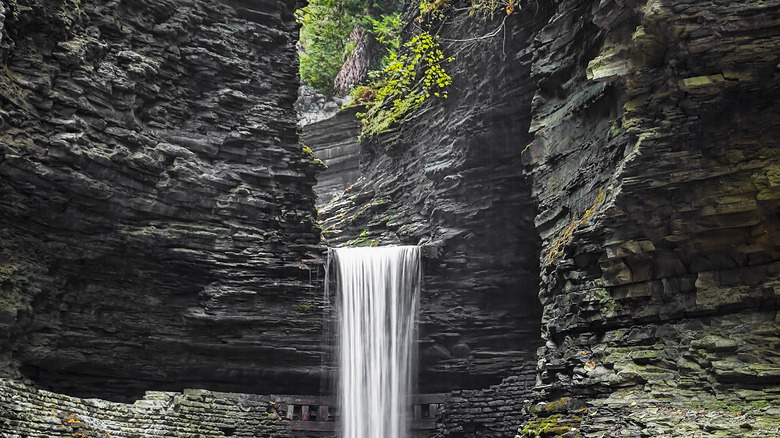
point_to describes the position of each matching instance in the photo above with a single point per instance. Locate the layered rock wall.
(335, 142)
(654, 162)
(604, 172)
(451, 179)
(156, 209)
(642, 136)
(495, 411)
(26, 411)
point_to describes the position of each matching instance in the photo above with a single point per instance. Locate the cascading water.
(377, 295)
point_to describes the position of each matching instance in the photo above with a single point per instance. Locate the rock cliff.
(655, 171)
(335, 142)
(597, 198)
(629, 150)
(27, 411)
(156, 209)
(451, 179)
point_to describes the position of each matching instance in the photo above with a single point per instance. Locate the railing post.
(315, 413)
(322, 413)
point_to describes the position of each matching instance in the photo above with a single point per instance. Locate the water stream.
(377, 296)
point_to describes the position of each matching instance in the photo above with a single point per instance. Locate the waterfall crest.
(377, 294)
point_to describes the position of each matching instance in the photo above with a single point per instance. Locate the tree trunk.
(356, 66)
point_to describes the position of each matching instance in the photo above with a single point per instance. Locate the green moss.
(362, 241)
(692, 83)
(759, 404)
(554, 425)
(556, 247)
(614, 129)
(557, 404)
(608, 306)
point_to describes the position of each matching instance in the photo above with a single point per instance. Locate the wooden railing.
(425, 409)
(316, 414)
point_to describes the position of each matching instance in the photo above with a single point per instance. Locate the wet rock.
(451, 180)
(645, 160)
(157, 215)
(335, 141)
(26, 411)
(313, 106)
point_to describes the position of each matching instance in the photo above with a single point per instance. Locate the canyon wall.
(27, 411)
(156, 211)
(629, 150)
(451, 179)
(335, 141)
(597, 200)
(655, 170)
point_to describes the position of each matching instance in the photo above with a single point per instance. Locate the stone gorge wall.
(156, 209)
(26, 411)
(495, 411)
(451, 180)
(655, 170)
(335, 142)
(157, 220)
(652, 168)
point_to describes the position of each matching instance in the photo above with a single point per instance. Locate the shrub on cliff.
(337, 34)
(409, 78)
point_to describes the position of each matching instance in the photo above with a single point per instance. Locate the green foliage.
(404, 84)
(434, 8)
(489, 8)
(387, 30)
(325, 29)
(614, 129)
(306, 306)
(554, 425)
(361, 241)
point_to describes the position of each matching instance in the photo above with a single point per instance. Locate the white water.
(377, 294)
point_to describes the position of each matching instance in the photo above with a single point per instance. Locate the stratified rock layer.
(335, 142)
(26, 411)
(451, 180)
(648, 136)
(655, 169)
(156, 209)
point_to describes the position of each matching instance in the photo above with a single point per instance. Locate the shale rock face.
(451, 180)
(27, 411)
(642, 137)
(335, 142)
(156, 209)
(313, 106)
(655, 170)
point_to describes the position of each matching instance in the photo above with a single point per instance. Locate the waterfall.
(377, 294)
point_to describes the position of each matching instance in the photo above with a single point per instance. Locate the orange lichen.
(556, 247)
